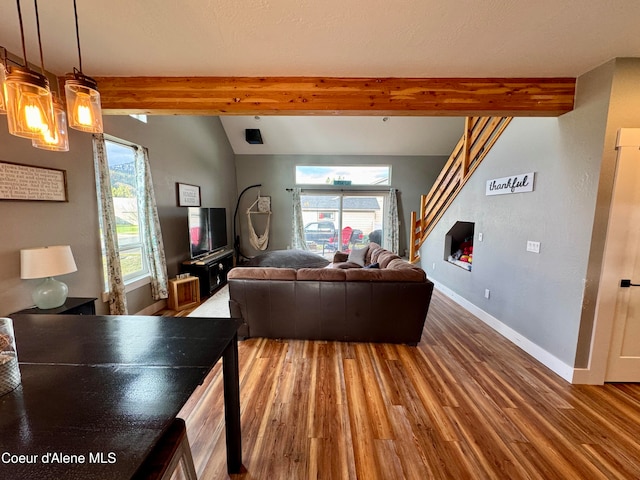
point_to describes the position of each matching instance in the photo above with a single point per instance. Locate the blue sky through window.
(357, 175)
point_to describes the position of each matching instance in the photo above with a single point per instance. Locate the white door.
(623, 363)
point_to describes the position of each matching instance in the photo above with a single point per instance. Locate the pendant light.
(27, 96)
(3, 77)
(83, 98)
(57, 140)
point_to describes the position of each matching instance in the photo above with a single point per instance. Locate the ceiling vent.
(253, 136)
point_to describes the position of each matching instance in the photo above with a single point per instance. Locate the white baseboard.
(153, 308)
(537, 352)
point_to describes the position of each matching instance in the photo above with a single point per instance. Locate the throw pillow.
(357, 256)
(373, 265)
(339, 257)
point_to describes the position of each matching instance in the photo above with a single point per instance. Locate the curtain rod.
(365, 189)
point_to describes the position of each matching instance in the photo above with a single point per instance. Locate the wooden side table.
(72, 306)
(184, 293)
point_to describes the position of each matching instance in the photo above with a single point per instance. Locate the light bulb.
(82, 109)
(34, 120)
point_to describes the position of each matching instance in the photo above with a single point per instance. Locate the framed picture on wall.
(188, 195)
(27, 182)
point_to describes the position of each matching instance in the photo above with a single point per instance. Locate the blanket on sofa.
(287, 259)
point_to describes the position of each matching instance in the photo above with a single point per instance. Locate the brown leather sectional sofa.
(343, 301)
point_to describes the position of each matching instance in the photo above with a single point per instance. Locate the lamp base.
(51, 293)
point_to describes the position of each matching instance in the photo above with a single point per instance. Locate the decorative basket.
(9, 373)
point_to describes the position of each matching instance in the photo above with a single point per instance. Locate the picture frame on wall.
(28, 182)
(188, 195)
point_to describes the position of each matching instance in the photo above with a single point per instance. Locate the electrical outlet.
(533, 246)
(487, 293)
(480, 237)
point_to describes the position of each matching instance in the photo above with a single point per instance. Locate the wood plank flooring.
(464, 404)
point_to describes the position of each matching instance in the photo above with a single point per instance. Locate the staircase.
(480, 133)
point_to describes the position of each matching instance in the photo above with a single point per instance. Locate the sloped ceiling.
(353, 38)
(346, 135)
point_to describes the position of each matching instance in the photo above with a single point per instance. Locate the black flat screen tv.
(207, 230)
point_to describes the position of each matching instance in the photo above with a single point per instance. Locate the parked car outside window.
(320, 232)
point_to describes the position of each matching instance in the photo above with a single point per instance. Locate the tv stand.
(212, 270)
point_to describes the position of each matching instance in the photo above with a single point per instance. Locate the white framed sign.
(188, 195)
(523, 182)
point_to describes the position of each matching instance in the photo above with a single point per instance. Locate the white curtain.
(150, 226)
(117, 296)
(297, 225)
(391, 224)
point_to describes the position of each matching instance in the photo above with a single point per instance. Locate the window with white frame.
(124, 190)
(343, 175)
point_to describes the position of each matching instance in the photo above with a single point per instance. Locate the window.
(122, 174)
(343, 175)
(355, 219)
(139, 116)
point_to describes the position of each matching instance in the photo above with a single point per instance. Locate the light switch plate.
(533, 246)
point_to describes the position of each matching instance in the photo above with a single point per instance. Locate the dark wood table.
(98, 392)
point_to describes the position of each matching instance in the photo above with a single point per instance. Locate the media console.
(212, 270)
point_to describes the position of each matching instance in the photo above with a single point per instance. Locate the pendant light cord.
(75, 13)
(24, 47)
(35, 4)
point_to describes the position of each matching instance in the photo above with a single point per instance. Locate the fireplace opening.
(458, 245)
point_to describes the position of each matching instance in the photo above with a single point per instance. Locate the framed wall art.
(26, 182)
(188, 195)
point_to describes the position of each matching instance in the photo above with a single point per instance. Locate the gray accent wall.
(549, 297)
(411, 175)
(192, 150)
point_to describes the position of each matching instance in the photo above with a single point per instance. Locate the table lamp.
(45, 262)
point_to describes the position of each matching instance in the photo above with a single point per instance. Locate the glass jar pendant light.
(83, 98)
(28, 97)
(56, 140)
(3, 78)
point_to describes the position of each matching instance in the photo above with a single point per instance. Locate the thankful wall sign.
(522, 182)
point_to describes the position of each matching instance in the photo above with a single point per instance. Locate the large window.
(343, 175)
(342, 220)
(122, 174)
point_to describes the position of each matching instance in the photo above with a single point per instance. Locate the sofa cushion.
(321, 274)
(385, 275)
(262, 273)
(344, 265)
(340, 257)
(385, 258)
(357, 255)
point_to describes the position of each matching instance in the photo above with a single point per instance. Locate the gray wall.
(548, 297)
(191, 150)
(411, 175)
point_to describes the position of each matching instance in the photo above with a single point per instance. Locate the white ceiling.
(346, 135)
(350, 38)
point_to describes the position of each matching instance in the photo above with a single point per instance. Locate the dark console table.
(212, 271)
(72, 306)
(96, 396)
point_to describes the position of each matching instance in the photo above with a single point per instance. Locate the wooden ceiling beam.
(337, 96)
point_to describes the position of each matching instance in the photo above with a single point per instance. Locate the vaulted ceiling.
(420, 57)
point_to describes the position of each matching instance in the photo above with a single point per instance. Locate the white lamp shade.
(46, 262)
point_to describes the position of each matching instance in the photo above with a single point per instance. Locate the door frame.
(608, 287)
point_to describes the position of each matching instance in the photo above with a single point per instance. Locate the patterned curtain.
(390, 223)
(297, 225)
(150, 226)
(117, 296)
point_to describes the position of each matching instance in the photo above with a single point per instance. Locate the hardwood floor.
(464, 404)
